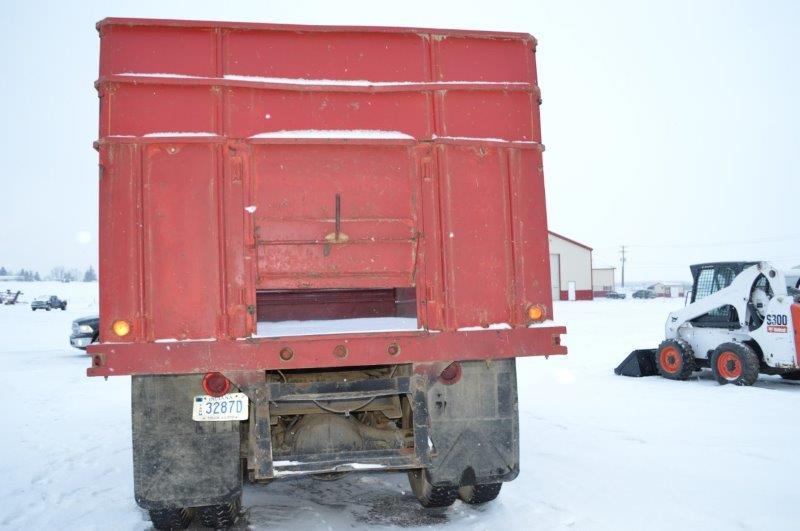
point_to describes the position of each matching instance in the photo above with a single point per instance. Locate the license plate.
(232, 406)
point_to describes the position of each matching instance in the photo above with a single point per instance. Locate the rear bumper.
(337, 350)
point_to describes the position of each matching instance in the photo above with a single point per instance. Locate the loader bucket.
(639, 363)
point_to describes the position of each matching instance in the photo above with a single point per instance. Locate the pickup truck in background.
(47, 303)
(85, 331)
(321, 250)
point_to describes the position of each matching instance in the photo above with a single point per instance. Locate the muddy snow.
(598, 451)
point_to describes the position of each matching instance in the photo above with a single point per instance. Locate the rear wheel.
(429, 495)
(791, 375)
(220, 516)
(476, 494)
(675, 359)
(734, 363)
(172, 518)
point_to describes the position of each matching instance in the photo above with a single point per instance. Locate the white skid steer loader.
(743, 319)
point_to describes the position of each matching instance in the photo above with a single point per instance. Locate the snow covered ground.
(598, 451)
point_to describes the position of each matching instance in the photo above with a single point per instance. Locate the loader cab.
(710, 278)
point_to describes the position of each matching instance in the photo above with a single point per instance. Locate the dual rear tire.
(219, 516)
(431, 496)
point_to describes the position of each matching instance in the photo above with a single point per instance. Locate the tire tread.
(219, 516)
(478, 494)
(750, 363)
(686, 352)
(171, 518)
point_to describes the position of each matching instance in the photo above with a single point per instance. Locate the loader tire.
(675, 359)
(477, 494)
(794, 376)
(220, 516)
(429, 495)
(734, 363)
(171, 518)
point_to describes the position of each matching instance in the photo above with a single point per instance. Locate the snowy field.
(599, 451)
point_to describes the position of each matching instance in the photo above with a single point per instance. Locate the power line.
(712, 244)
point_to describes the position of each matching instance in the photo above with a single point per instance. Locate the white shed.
(602, 281)
(570, 268)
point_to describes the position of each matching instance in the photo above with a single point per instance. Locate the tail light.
(451, 374)
(215, 384)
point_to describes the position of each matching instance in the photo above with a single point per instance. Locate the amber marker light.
(121, 328)
(536, 313)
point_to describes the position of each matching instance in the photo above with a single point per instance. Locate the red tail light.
(451, 374)
(215, 384)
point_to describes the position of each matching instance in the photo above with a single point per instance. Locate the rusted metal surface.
(205, 200)
(322, 351)
(284, 305)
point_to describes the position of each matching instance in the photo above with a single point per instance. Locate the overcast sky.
(671, 128)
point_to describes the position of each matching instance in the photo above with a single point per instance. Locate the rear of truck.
(321, 249)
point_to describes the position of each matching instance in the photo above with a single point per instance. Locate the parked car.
(644, 294)
(48, 303)
(615, 295)
(85, 331)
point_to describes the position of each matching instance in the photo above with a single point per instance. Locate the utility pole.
(622, 250)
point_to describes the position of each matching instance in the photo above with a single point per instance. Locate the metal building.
(570, 268)
(603, 281)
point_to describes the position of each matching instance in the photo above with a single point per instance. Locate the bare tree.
(58, 273)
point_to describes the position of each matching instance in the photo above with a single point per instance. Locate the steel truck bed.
(321, 249)
(246, 168)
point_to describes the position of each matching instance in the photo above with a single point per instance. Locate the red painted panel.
(317, 351)
(154, 49)
(484, 59)
(240, 323)
(326, 55)
(251, 111)
(347, 265)
(143, 109)
(489, 114)
(531, 247)
(183, 255)
(120, 237)
(476, 240)
(181, 240)
(295, 189)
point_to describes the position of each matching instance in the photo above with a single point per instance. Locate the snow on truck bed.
(598, 451)
(336, 326)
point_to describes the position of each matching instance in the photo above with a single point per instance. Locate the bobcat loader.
(743, 319)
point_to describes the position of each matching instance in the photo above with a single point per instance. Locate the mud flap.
(178, 462)
(474, 425)
(639, 363)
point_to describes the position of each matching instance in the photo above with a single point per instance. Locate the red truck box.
(358, 204)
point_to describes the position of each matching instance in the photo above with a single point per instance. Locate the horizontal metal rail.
(324, 351)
